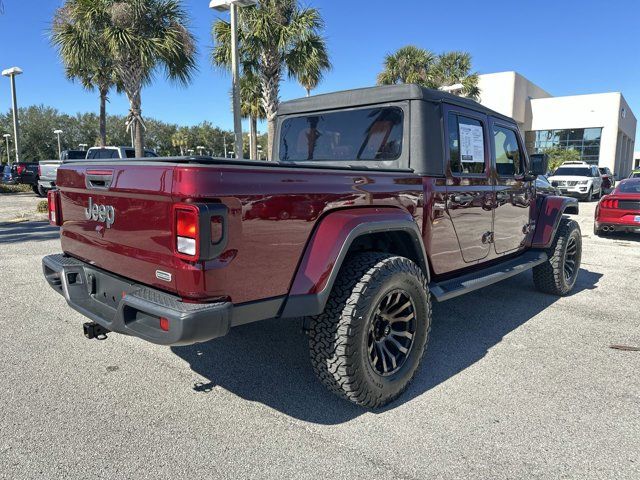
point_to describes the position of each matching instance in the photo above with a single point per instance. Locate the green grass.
(42, 207)
(15, 188)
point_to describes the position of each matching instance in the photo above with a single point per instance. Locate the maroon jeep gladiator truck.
(379, 201)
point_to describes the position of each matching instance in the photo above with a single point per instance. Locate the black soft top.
(376, 95)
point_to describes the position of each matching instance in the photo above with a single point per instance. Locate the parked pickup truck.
(25, 173)
(98, 153)
(410, 195)
(49, 170)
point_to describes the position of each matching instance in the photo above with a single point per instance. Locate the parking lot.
(515, 384)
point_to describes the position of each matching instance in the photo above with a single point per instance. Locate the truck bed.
(271, 208)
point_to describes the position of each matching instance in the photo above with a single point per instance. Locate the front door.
(511, 223)
(469, 190)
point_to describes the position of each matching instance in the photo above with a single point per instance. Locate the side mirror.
(539, 163)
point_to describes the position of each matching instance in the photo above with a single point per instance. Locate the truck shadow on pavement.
(267, 362)
(15, 232)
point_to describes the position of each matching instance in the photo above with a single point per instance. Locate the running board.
(455, 287)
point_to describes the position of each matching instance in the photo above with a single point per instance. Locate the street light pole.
(232, 5)
(12, 73)
(235, 69)
(58, 132)
(6, 137)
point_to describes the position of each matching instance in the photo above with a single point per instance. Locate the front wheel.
(368, 343)
(559, 273)
(589, 197)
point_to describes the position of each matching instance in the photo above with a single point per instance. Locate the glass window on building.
(585, 140)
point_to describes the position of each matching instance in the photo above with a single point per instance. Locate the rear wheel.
(368, 343)
(559, 273)
(41, 191)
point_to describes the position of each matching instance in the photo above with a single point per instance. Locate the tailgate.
(130, 233)
(48, 170)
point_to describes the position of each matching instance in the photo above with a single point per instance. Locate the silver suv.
(578, 179)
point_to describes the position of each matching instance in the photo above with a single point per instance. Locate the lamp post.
(7, 136)
(232, 5)
(58, 133)
(12, 73)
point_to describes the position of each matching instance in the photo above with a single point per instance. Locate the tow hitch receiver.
(94, 330)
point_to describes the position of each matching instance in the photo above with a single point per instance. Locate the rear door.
(469, 191)
(513, 196)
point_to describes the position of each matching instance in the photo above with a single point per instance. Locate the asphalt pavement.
(515, 384)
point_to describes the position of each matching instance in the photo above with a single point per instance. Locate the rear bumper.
(618, 227)
(48, 184)
(125, 307)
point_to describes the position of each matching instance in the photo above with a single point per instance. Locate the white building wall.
(533, 108)
(508, 93)
(583, 111)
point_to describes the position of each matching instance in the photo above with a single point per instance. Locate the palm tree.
(180, 139)
(454, 68)
(409, 64)
(83, 56)
(252, 107)
(412, 64)
(273, 36)
(312, 62)
(141, 37)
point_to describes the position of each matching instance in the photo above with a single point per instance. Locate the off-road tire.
(549, 277)
(338, 337)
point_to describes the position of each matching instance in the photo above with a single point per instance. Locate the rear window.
(76, 155)
(629, 187)
(573, 171)
(370, 134)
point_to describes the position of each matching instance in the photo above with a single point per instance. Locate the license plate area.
(636, 219)
(105, 288)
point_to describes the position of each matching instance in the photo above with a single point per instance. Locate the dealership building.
(600, 126)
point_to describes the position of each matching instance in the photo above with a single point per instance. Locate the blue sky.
(565, 46)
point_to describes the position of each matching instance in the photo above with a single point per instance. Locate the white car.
(578, 179)
(97, 153)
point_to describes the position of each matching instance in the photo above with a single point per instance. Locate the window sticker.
(471, 144)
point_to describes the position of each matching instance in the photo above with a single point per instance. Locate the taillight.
(39, 171)
(20, 169)
(55, 212)
(609, 203)
(187, 231)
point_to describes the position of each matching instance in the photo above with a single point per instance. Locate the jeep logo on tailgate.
(100, 213)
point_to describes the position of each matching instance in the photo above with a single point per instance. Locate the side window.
(466, 145)
(509, 160)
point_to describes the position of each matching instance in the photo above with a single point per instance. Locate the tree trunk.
(253, 122)
(103, 115)
(308, 91)
(270, 80)
(135, 115)
(270, 134)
